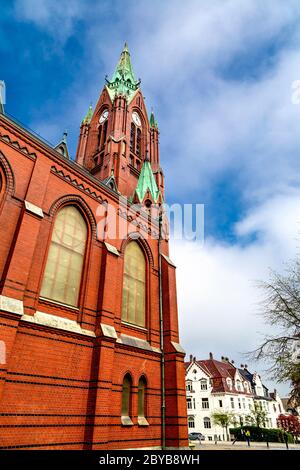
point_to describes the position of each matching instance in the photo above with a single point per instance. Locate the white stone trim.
(112, 249)
(108, 331)
(178, 347)
(33, 209)
(142, 421)
(8, 304)
(168, 260)
(126, 421)
(53, 321)
(136, 343)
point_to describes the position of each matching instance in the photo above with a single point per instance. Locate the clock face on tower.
(136, 118)
(103, 116)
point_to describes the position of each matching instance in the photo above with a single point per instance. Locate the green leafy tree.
(223, 419)
(281, 308)
(257, 416)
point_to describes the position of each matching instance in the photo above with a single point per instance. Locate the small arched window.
(142, 397)
(191, 422)
(238, 385)
(132, 137)
(99, 136)
(63, 272)
(138, 142)
(126, 396)
(207, 423)
(229, 383)
(104, 132)
(134, 285)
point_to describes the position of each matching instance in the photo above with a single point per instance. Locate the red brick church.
(90, 356)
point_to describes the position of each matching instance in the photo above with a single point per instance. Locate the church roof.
(147, 182)
(123, 80)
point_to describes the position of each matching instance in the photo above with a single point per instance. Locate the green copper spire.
(153, 123)
(88, 116)
(147, 182)
(123, 80)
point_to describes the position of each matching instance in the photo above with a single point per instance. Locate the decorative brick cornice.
(77, 200)
(15, 143)
(78, 184)
(10, 180)
(138, 238)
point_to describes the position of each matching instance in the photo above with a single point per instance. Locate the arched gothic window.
(142, 397)
(138, 141)
(132, 137)
(63, 272)
(126, 396)
(104, 134)
(134, 285)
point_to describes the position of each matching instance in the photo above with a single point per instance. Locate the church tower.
(89, 320)
(118, 138)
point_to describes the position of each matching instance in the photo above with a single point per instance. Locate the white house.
(216, 386)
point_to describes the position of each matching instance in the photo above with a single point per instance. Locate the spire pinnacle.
(123, 81)
(153, 123)
(146, 183)
(87, 118)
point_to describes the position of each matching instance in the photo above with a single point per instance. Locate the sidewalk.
(241, 445)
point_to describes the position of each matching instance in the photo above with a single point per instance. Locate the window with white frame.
(244, 403)
(189, 386)
(189, 403)
(232, 402)
(239, 403)
(207, 423)
(191, 422)
(220, 403)
(205, 403)
(229, 383)
(238, 385)
(203, 384)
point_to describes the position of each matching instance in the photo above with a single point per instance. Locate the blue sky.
(218, 74)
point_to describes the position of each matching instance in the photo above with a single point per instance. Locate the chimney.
(194, 358)
(211, 356)
(191, 357)
(242, 366)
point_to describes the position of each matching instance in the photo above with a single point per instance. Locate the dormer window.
(238, 385)
(229, 383)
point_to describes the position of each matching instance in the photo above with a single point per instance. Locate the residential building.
(219, 386)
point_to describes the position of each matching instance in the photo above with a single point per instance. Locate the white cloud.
(211, 124)
(217, 294)
(55, 17)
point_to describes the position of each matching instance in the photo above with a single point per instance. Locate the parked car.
(196, 436)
